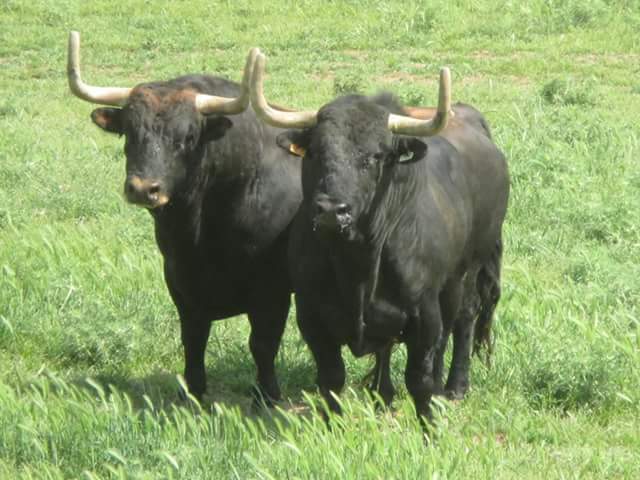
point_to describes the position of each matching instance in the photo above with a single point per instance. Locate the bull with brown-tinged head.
(221, 194)
(400, 218)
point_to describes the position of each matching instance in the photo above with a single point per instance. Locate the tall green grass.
(89, 343)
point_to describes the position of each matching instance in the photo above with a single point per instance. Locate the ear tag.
(297, 150)
(405, 157)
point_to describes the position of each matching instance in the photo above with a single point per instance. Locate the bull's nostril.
(154, 189)
(342, 209)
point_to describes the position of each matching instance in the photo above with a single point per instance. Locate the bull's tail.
(488, 287)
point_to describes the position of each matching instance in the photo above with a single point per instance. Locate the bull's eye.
(372, 160)
(368, 162)
(187, 142)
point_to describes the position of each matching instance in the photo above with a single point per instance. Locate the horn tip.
(74, 45)
(258, 66)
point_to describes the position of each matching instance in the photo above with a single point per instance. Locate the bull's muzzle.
(332, 217)
(145, 192)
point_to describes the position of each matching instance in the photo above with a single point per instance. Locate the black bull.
(223, 233)
(393, 235)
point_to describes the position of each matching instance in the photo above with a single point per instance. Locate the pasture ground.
(89, 343)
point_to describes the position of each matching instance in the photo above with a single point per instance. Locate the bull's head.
(351, 146)
(166, 127)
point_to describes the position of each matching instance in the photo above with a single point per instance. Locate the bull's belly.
(218, 292)
(213, 297)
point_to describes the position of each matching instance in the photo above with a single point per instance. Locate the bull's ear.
(108, 119)
(215, 127)
(294, 141)
(408, 150)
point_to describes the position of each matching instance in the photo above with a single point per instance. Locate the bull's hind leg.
(381, 382)
(267, 326)
(489, 291)
(421, 337)
(458, 378)
(449, 300)
(481, 295)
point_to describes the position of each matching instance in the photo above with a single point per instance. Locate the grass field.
(89, 342)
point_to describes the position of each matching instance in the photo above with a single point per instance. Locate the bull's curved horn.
(425, 128)
(207, 104)
(265, 112)
(116, 96)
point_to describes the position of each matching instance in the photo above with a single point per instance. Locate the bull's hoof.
(455, 393)
(382, 398)
(262, 400)
(439, 391)
(456, 390)
(184, 396)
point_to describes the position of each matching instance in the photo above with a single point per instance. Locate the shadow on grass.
(229, 383)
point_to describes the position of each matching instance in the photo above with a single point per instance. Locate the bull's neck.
(219, 172)
(392, 204)
(357, 264)
(178, 223)
(389, 210)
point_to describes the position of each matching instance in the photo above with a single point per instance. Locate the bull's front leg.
(195, 334)
(326, 352)
(421, 337)
(267, 326)
(331, 372)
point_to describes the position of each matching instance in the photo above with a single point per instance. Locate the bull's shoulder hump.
(438, 146)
